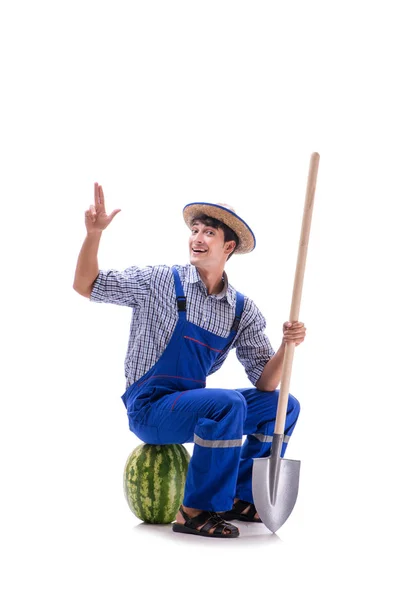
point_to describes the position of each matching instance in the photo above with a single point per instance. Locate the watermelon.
(154, 481)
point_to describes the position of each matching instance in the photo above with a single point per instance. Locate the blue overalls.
(171, 405)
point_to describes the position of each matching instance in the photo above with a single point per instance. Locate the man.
(184, 322)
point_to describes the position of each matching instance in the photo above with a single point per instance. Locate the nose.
(198, 238)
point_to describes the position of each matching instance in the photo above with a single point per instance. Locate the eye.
(210, 232)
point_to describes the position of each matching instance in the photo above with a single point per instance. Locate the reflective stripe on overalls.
(171, 405)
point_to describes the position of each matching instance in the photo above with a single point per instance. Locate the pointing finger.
(101, 198)
(97, 196)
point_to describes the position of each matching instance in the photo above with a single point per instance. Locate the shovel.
(276, 479)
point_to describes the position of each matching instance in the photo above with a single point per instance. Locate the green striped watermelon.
(154, 481)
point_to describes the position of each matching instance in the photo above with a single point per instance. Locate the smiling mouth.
(198, 251)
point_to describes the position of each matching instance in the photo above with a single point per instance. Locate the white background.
(166, 103)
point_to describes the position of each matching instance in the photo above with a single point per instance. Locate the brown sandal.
(209, 520)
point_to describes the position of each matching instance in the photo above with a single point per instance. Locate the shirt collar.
(227, 290)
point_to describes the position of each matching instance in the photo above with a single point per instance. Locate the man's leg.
(213, 419)
(259, 427)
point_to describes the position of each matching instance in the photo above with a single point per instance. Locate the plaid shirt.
(150, 292)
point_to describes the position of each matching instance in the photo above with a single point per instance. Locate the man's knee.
(293, 406)
(232, 401)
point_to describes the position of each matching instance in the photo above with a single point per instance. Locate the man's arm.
(272, 372)
(96, 220)
(87, 268)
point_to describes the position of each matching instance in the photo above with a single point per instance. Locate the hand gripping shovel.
(276, 479)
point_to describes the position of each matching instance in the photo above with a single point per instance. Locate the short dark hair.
(229, 234)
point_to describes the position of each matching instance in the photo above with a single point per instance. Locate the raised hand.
(96, 218)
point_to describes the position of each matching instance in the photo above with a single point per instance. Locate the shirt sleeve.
(253, 348)
(126, 288)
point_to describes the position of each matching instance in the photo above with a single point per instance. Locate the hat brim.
(247, 240)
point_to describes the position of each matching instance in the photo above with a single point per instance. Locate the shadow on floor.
(250, 534)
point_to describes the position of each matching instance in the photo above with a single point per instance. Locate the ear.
(230, 246)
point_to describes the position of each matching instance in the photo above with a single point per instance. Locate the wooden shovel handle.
(297, 290)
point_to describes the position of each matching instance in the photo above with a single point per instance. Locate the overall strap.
(238, 312)
(180, 296)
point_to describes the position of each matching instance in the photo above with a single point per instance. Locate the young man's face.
(207, 248)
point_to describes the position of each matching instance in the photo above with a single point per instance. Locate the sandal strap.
(216, 522)
(183, 513)
(202, 519)
(194, 522)
(241, 505)
(213, 520)
(219, 529)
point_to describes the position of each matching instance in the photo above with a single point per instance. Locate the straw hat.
(226, 214)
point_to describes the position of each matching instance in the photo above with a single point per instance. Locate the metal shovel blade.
(275, 489)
